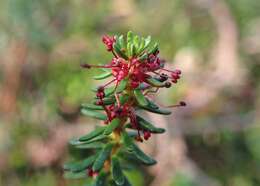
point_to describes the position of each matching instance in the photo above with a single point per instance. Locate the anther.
(85, 66)
(182, 103)
(167, 84)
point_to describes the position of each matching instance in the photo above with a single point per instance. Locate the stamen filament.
(113, 52)
(117, 100)
(181, 104)
(167, 70)
(96, 66)
(109, 83)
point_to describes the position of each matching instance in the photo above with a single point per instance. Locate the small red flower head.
(108, 41)
(100, 92)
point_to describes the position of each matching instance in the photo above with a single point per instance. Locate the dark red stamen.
(181, 104)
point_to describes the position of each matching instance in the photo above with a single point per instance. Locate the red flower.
(137, 71)
(108, 41)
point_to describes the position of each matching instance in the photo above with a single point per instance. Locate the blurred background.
(214, 141)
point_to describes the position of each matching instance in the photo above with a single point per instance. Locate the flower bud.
(147, 135)
(109, 41)
(134, 84)
(177, 71)
(174, 75)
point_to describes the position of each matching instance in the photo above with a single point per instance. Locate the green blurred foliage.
(182, 180)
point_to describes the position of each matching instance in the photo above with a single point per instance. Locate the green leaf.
(143, 57)
(93, 114)
(122, 85)
(152, 104)
(76, 142)
(134, 51)
(110, 100)
(136, 44)
(107, 101)
(132, 134)
(140, 97)
(141, 46)
(81, 165)
(140, 155)
(154, 82)
(129, 37)
(104, 69)
(100, 179)
(91, 106)
(153, 49)
(117, 173)
(112, 126)
(98, 138)
(75, 175)
(147, 41)
(119, 50)
(103, 76)
(142, 86)
(102, 156)
(136, 41)
(98, 131)
(128, 125)
(130, 49)
(148, 126)
(127, 140)
(127, 183)
(123, 99)
(156, 111)
(94, 145)
(109, 91)
(112, 183)
(121, 41)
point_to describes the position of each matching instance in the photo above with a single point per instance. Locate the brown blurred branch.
(13, 60)
(43, 153)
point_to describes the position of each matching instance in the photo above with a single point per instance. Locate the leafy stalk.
(136, 70)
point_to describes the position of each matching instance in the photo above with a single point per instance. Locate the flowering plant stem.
(135, 72)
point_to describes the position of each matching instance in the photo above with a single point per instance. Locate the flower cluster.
(135, 72)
